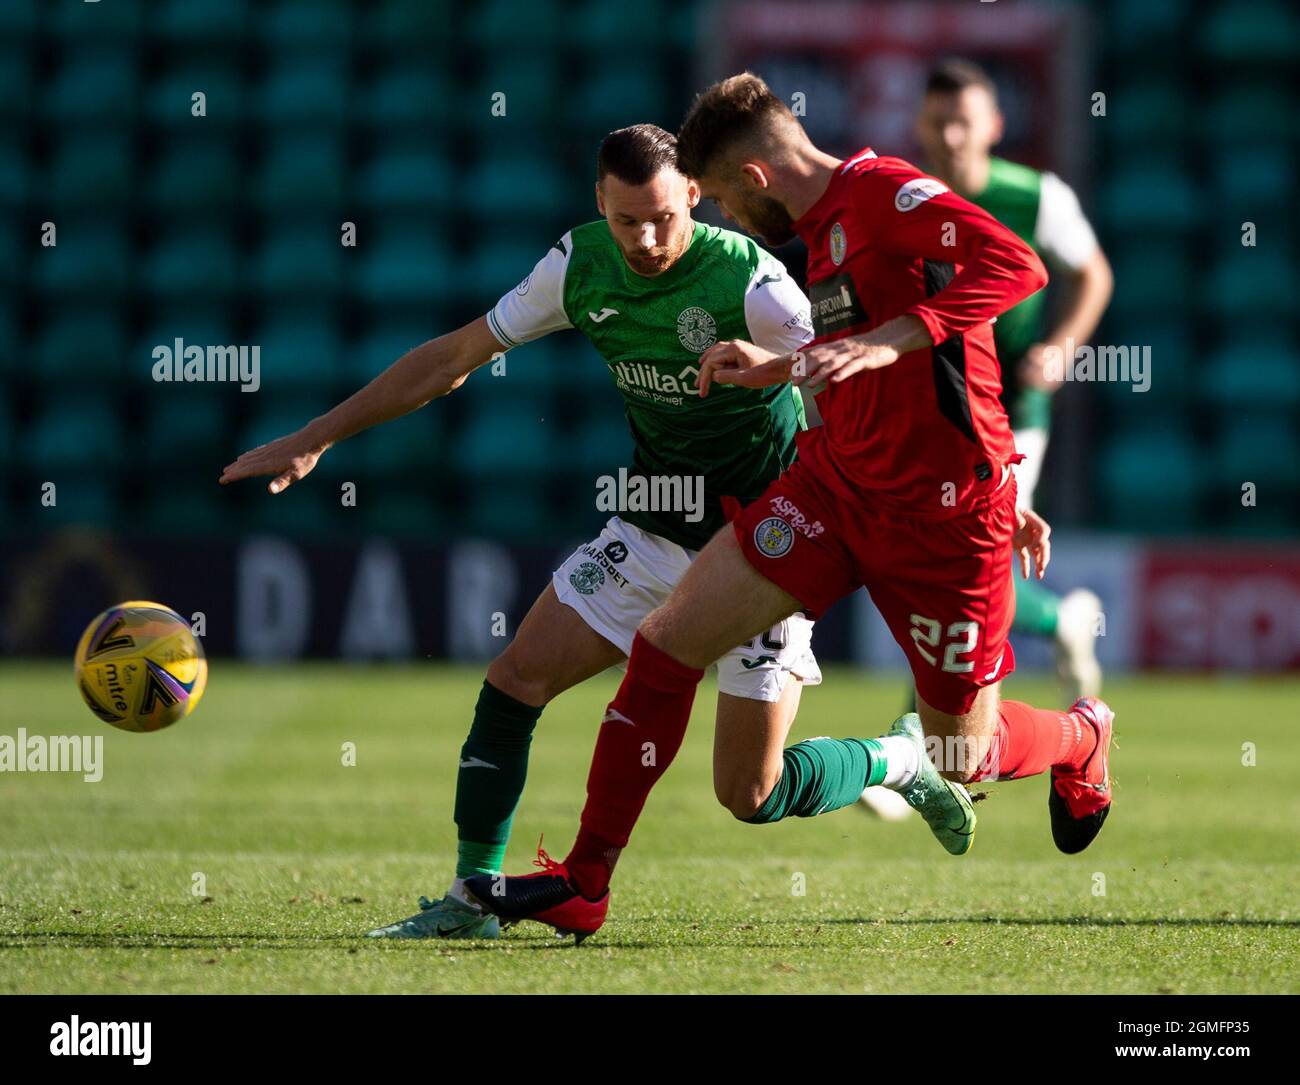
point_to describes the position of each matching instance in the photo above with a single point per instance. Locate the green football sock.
(1035, 609)
(820, 775)
(493, 767)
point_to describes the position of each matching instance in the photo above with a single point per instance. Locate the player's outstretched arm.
(430, 370)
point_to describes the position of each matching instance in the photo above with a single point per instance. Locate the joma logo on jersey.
(643, 375)
(786, 508)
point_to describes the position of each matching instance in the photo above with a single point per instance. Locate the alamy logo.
(652, 493)
(193, 363)
(78, 1037)
(53, 753)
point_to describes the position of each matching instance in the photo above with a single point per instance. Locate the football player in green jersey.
(958, 125)
(651, 289)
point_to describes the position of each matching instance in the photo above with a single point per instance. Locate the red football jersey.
(926, 436)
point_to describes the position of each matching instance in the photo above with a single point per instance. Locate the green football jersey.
(1045, 213)
(651, 331)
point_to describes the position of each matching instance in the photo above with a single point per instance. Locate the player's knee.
(514, 677)
(743, 798)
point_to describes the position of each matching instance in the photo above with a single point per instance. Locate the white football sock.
(457, 890)
(902, 761)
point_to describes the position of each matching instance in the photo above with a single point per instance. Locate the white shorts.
(617, 579)
(1033, 444)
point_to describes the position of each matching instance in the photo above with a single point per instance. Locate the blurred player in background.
(958, 125)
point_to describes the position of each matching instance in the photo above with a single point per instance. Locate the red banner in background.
(1223, 609)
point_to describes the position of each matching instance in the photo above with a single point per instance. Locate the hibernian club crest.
(839, 245)
(697, 329)
(587, 578)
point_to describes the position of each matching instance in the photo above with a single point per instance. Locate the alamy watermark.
(212, 364)
(53, 753)
(627, 492)
(1111, 364)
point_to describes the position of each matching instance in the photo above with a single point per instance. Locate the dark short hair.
(634, 155)
(955, 74)
(737, 108)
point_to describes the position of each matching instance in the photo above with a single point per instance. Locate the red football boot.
(549, 897)
(1079, 799)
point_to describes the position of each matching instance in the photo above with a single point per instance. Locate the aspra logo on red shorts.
(783, 506)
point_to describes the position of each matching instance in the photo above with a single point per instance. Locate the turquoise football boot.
(445, 918)
(945, 806)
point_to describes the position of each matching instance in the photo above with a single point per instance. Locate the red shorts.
(944, 588)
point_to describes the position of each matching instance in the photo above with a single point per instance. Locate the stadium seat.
(309, 26)
(1246, 112)
(530, 80)
(90, 259)
(91, 170)
(305, 261)
(1259, 373)
(411, 100)
(1150, 194)
(1244, 281)
(76, 434)
(1254, 177)
(531, 24)
(301, 351)
(301, 171)
(403, 449)
(403, 515)
(203, 326)
(505, 440)
(195, 176)
(408, 178)
(195, 262)
(1147, 116)
(17, 19)
(1251, 446)
(304, 93)
(513, 510)
(169, 99)
(116, 20)
(200, 20)
(412, 268)
(1151, 479)
(420, 28)
(1252, 35)
(15, 85)
(1153, 277)
(93, 87)
(370, 354)
(185, 424)
(498, 264)
(600, 28)
(89, 348)
(494, 182)
(614, 95)
(15, 176)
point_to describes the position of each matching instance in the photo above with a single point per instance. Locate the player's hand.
(833, 362)
(737, 362)
(1033, 369)
(289, 459)
(1030, 542)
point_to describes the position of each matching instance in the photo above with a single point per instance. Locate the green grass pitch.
(1191, 887)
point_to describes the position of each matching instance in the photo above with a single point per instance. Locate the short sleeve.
(535, 307)
(777, 312)
(1062, 233)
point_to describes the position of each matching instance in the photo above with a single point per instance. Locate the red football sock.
(641, 734)
(1031, 740)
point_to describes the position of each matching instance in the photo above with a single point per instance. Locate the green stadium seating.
(299, 262)
(15, 85)
(90, 348)
(502, 440)
(1153, 277)
(89, 259)
(616, 95)
(187, 424)
(201, 262)
(15, 256)
(78, 434)
(511, 510)
(1251, 35)
(1259, 448)
(1247, 113)
(110, 20)
(196, 175)
(407, 449)
(1254, 177)
(304, 170)
(1151, 479)
(299, 352)
(402, 515)
(201, 21)
(407, 99)
(169, 99)
(299, 93)
(201, 324)
(1260, 374)
(1259, 281)
(495, 180)
(17, 19)
(93, 87)
(499, 264)
(91, 170)
(369, 355)
(409, 268)
(406, 178)
(421, 28)
(1150, 194)
(532, 24)
(309, 26)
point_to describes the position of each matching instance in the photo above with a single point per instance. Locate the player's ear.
(692, 192)
(999, 124)
(755, 173)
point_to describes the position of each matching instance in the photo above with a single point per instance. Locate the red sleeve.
(912, 214)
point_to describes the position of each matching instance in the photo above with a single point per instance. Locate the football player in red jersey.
(906, 489)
